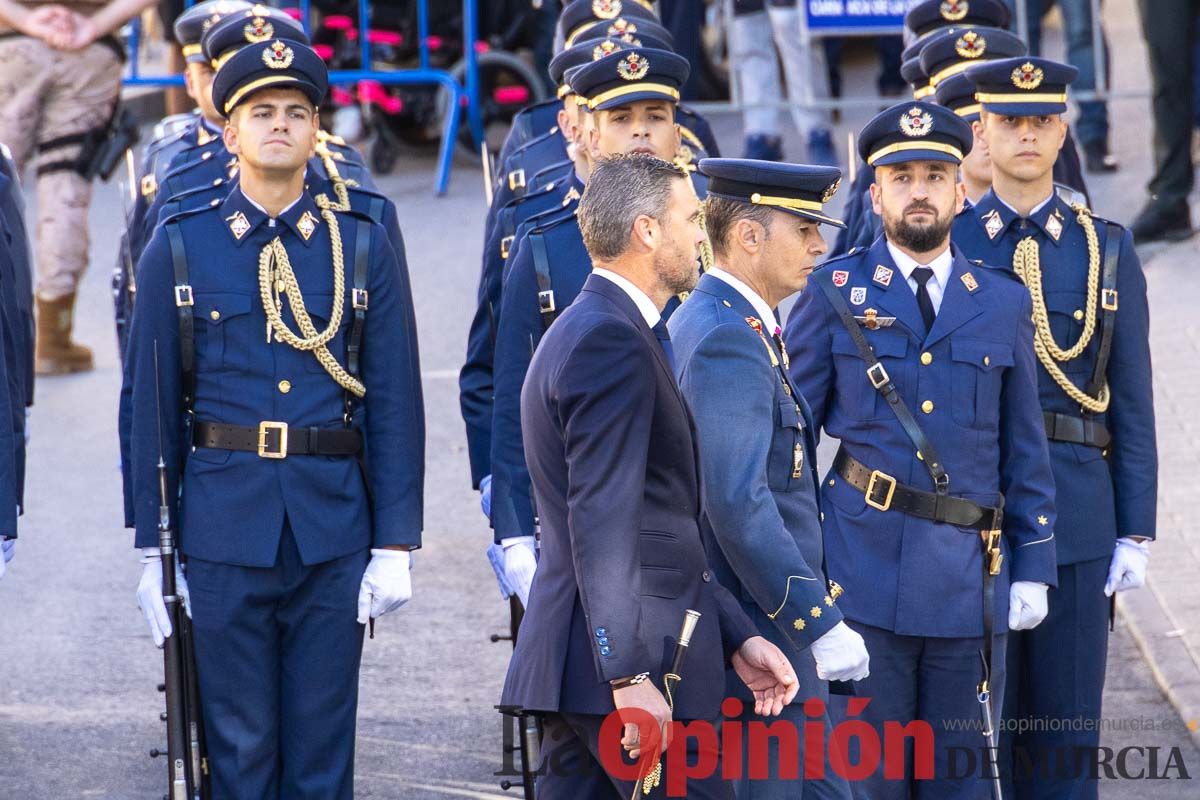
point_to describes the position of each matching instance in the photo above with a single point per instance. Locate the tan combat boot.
(56, 354)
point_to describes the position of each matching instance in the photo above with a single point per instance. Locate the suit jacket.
(761, 519)
(971, 382)
(612, 455)
(1099, 498)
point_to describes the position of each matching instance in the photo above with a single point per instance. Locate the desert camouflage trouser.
(47, 94)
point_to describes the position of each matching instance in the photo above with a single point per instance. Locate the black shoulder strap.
(358, 303)
(1108, 305)
(541, 263)
(183, 303)
(882, 382)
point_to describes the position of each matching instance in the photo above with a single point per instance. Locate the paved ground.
(78, 710)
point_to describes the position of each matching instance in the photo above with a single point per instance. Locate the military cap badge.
(633, 67)
(954, 10)
(916, 122)
(258, 30)
(306, 225)
(831, 191)
(278, 56)
(621, 27)
(1027, 76)
(970, 45)
(238, 225)
(606, 9)
(605, 48)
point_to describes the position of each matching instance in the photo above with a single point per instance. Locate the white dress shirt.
(1033, 210)
(644, 304)
(942, 266)
(765, 313)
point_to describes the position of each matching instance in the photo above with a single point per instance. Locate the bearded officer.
(939, 507)
(1091, 333)
(291, 427)
(755, 437)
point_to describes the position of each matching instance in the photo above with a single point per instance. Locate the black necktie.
(664, 339)
(922, 275)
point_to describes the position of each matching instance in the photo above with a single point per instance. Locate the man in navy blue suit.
(939, 507)
(611, 451)
(1095, 387)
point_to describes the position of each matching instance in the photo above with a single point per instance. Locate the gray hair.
(619, 190)
(721, 214)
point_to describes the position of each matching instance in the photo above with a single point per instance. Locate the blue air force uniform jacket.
(1099, 498)
(971, 382)
(475, 379)
(612, 452)
(758, 459)
(232, 505)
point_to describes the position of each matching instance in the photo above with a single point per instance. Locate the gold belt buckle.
(876, 475)
(995, 557)
(264, 429)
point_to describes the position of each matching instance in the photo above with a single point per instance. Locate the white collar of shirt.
(270, 219)
(942, 266)
(644, 304)
(764, 311)
(1033, 210)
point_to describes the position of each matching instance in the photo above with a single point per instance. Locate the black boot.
(1171, 222)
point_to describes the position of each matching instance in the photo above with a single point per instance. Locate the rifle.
(187, 762)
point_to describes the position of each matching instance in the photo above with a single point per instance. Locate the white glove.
(485, 496)
(520, 563)
(841, 655)
(1027, 605)
(150, 595)
(386, 584)
(1127, 570)
(8, 545)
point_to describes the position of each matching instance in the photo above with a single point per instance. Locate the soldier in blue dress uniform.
(291, 426)
(1094, 382)
(939, 507)
(630, 103)
(755, 437)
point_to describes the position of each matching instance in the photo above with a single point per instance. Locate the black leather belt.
(883, 492)
(277, 440)
(1077, 430)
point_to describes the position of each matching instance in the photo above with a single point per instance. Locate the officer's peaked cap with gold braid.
(798, 189)
(256, 25)
(639, 73)
(914, 131)
(1022, 87)
(275, 64)
(193, 23)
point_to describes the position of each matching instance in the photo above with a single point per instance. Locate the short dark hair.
(721, 214)
(619, 190)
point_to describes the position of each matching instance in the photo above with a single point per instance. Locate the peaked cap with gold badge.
(914, 131)
(798, 189)
(193, 23)
(1023, 87)
(256, 25)
(639, 73)
(274, 64)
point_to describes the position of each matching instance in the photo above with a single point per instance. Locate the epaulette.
(549, 217)
(175, 123)
(692, 138)
(1071, 197)
(207, 155)
(853, 251)
(553, 222)
(215, 183)
(190, 212)
(549, 168)
(541, 137)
